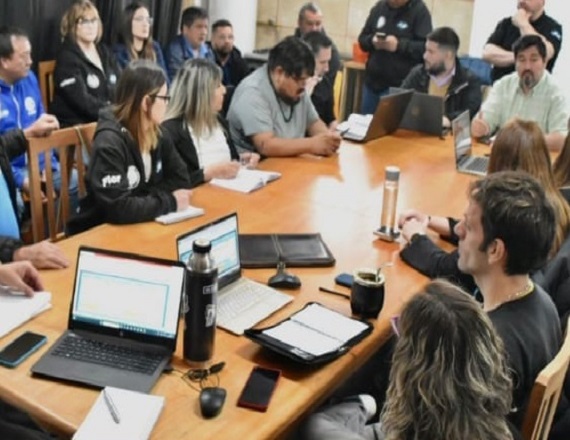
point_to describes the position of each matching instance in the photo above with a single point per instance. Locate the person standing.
(529, 19)
(394, 35)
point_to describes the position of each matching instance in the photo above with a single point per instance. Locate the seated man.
(228, 57)
(529, 19)
(191, 43)
(270, 112)
(43, 255)
(529, 93)
(442, 75)
(320, 87)
(310, 19)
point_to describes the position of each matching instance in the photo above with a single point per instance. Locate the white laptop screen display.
(127, 294)
(462, 137)
(223, 234)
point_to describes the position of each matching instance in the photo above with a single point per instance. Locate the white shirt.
(212, 147)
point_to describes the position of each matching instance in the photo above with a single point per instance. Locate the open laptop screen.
(224, 236)
(135, 295)
(461, 127)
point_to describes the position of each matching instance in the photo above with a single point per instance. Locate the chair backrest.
(546, 394)
(50, 208)
(45, 73)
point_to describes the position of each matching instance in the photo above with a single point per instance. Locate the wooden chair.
(45, 73)
(546, 394)
(50, 208)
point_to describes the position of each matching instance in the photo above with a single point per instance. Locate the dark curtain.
(41, 18)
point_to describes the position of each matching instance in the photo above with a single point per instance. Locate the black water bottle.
(200, 304)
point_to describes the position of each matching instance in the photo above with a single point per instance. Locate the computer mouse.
(284, 281)
(211, 401)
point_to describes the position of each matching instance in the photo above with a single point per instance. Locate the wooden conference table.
(340, 197)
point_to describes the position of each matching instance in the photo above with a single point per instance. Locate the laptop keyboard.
(97, 352)
(478, 163)
(246, 304)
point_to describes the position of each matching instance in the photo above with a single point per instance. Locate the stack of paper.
(356, 125)
(247, 180)
(136, 415)
(16, 309)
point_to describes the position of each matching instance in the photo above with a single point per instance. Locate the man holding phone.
(394, 35)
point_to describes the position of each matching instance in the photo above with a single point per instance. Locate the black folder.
(313, 335)
(295, 250)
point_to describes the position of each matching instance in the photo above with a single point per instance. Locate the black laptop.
(424, 113)
(123, 321)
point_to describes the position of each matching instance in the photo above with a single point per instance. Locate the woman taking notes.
(199, 133)
(135, 174)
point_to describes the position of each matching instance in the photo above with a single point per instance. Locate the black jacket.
(464, 92)
(410, 24)
(81, 89)
(237, 67)
(12, 144)
(116, 188)
(177, 131)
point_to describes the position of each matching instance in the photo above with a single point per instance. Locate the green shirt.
(545, 104)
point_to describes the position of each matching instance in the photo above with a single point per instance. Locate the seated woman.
(135, 37)
(561, 169)
(199, 133)
(135, 173)
(520, 145)
(85, 73)
(449, 378)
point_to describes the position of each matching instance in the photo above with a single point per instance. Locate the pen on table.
(334, 292)
(111, 406)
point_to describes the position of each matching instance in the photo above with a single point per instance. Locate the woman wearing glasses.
(135, 173)
(199, 132)
(135, 37)
(86, 73)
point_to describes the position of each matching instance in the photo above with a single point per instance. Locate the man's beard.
(292, 101)
(223, 51)
(528, 80)
(436, 69)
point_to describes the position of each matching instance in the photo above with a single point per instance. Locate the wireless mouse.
(212, 401)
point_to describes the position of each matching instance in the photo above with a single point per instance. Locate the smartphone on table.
(20, 348)
(259, 388)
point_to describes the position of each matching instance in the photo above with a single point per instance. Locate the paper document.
(16, 309)
(317, 330)
(355, 126)
(247, 180)
(136, 413)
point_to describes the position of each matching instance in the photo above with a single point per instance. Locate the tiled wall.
(344, 19)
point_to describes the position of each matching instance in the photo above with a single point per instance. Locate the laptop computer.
(242, 303)
(385, 120)
(465, 161)
(123, 321)
(424, 113)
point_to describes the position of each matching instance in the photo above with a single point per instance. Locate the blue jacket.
(179, 50)
(20, 106)
(124, 57)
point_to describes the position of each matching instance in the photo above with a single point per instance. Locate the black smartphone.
(20, 348)
(381, 35)
(259, 388)
(344, 279)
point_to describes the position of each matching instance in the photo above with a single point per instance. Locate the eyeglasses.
(204, 377)
(165, 98)
(142, 19)
(86, 21)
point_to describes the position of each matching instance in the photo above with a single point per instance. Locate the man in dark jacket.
(394, 35)
(442, 75)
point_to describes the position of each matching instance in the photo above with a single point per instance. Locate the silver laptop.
(123, 321)
(465, 161)
(385, 120)
(242, 303)
(424, 113)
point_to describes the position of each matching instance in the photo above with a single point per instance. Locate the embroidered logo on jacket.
(111, 180)
(93, 81)
(381, 22)
(30, 106)
(402, 25)
(133, 176)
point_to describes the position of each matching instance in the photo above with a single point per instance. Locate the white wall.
(487, 13)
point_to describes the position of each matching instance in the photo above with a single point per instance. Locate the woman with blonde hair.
(200, 134)
(86, 73)
(135, 173)
(561, 169)
(519, 146)
(449, 378)
(135, 37)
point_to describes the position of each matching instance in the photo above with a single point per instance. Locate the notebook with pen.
(313, 335)
(123, 321)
